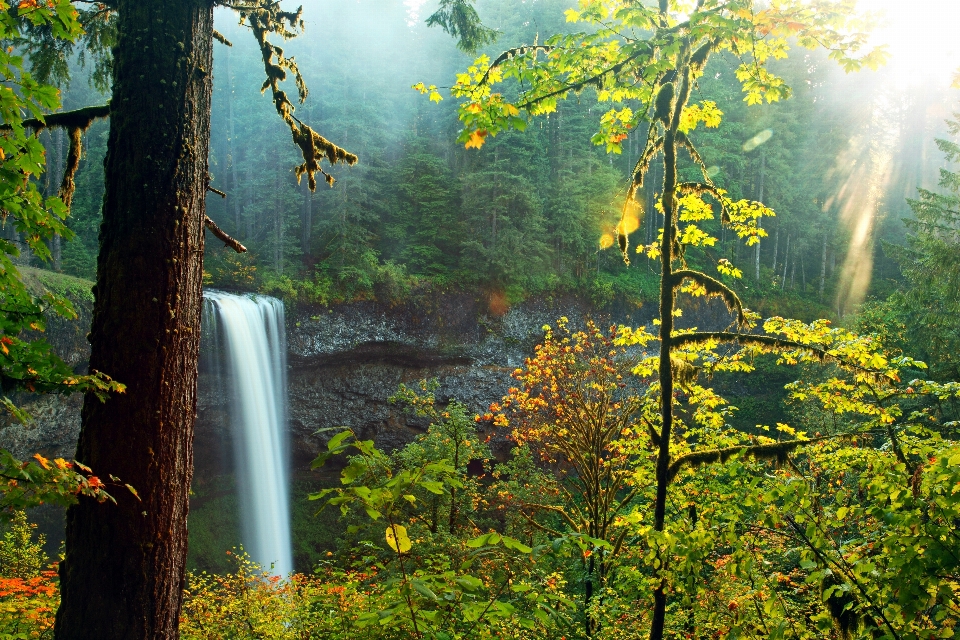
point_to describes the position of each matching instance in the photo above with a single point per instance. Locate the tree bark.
(665, 368)
(124, 569)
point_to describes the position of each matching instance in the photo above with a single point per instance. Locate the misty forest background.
(532, 212)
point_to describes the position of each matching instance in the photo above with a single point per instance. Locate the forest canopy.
(528, 213)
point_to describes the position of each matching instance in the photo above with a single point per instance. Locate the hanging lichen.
(264, 17)
(711, 287)
(68, 185)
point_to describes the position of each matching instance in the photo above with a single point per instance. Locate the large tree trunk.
(124, 569)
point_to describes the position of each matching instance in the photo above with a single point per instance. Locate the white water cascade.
(249, 353)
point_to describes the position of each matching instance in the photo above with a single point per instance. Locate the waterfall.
(249, 342)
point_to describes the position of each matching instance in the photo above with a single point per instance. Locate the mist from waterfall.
(249, 350)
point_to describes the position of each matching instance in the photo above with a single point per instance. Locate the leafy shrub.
(28, 586)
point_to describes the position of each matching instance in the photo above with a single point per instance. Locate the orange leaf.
(476, 140)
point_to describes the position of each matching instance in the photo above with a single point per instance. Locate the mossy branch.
(684, 142)
(222, 235)
(713, 288)
(219, 37)
(77, 119)
(684, 373)
(770, 343)
(774, 451)
(264, 18)
(75, 122)
(653, 147)
(596, 81)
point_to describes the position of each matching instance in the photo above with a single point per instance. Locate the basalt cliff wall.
(344, 363)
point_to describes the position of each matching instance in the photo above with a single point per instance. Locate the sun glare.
(920, 36)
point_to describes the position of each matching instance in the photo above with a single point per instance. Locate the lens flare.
(758, 140)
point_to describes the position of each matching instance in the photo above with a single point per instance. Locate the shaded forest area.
(534, 211)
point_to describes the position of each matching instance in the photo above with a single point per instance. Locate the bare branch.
(222, 235)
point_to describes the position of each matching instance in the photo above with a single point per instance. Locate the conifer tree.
(930, 262)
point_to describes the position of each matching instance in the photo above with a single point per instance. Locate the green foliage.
(20, 555)
(27, 362)
(31, 365)
(925, 308)
(28, 587)
(429, 590)
(460, 20)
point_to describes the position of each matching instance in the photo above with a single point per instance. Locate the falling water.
(247, 333)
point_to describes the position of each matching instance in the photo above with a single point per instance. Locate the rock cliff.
(344, 362)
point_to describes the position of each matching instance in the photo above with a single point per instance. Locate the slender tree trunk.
(306, 221)
(250, 212)
(803, 275)
(56, 243)
(665, 369)
(786, 261)
(278, 223)
(793, 270)
(123, 574)
(823, 266)
(776, 249)
(232, 149)
(763, 167)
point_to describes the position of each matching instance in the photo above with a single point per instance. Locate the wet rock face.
(53, 431)
(345, 362)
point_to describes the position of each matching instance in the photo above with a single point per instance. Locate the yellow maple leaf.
(397, 538)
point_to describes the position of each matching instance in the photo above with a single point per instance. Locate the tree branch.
(767, 342)
(222, 235)
(773, 450)
(219, 37)
(78, 119)
(713, 287)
